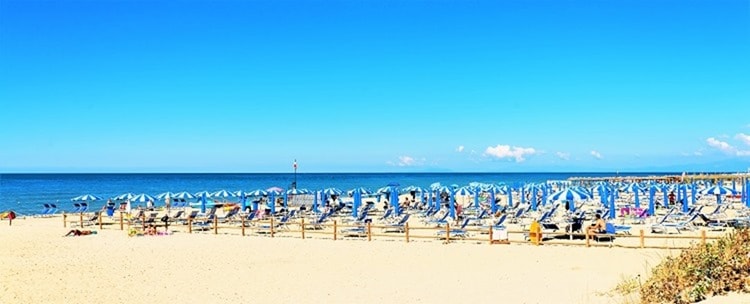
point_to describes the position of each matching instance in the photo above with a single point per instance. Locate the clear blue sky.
(248, 86)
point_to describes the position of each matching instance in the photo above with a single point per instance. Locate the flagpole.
(295, 175)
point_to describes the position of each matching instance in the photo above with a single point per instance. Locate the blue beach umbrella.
(357, 200)
(332, 191)
(510, 197)
(651, 206)
(612, 212)
(477, 191)
(464, 191)
(569, 195)
(203, 194)
(394, 200)
(314, 207)
(693, 191)
(719, 191)
(361, 190)
(203, 203)
(452, 206)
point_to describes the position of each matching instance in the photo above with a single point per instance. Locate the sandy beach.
(41, 266)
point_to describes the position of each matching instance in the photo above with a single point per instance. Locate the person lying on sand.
(77, 232)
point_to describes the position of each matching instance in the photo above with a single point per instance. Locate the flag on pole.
(295, 164)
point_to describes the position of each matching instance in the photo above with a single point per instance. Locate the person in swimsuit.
(599, 226)
(77, 232)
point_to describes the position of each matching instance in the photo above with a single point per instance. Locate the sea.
(26, 193)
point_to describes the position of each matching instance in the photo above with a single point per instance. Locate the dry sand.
(38, 265)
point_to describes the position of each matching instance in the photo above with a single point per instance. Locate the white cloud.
(720, 145)
(408, 161)
(563, 155)
(743, 153)
(596, 154)
(460, 149)
(743, 138)
(506, 151)
(698, 153)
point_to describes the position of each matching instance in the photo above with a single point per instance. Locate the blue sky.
(248, 86)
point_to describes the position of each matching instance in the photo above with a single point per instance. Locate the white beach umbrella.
(143, 198)
(124, 196)
(184, 195)
(330, 191)
(257, 192)
(222, 194)
(86, 198)
(164, 195)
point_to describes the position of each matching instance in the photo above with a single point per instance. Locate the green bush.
(702, 271)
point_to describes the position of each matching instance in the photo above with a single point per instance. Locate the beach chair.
(53, 210)
(499, 223)
(76, 208)
(318, 223)
(280, 224)
(45, 210)
(677, 227)
(439, 221)
(88, 221)
(456, 232)
(84, 207)
(609, 233)
(399, 226)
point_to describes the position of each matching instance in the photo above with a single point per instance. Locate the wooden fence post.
(588, 241)
(334, 230)
(406, 231)
(302, 225)
(243, 225)
(216, 224)
(143, 221)
(190, 225)
(272, 226)
(447, 232)
(490, 235)
(80, 224)
(122, 225)
(369, 231)
(643, 239)
(65, 220)
(100, 220)
(703, 237)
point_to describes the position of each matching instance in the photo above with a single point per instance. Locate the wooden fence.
(338, 231)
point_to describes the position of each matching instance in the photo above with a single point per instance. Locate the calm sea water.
(25, 193)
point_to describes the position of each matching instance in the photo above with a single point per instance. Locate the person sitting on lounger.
(599, 226)
(77, 232)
